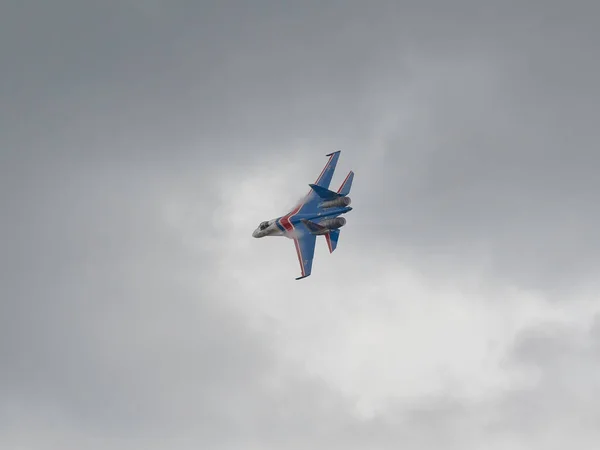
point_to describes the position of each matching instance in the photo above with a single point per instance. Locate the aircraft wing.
(305, 248)
(326, 175)
(323, 181)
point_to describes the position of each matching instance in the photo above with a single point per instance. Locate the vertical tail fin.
(332, 239)
(347, 184)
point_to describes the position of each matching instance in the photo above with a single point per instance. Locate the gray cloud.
(125, 315)
(503, 155)
(559, 409)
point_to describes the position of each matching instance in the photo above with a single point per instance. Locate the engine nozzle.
(333, 224)
(336, 202)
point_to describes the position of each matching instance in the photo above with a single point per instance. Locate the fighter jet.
(318, 214)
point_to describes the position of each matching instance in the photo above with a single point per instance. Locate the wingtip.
(333, 153)
(303, 276)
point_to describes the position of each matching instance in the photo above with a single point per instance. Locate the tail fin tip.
(332, 239)
(346, 184)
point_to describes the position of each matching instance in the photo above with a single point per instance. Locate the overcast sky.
(142, 141)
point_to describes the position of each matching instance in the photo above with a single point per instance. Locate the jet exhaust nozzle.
(337, 202)
(333, 224)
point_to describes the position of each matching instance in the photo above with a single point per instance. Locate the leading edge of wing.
(305, 249)
(326, 175)
(322, 183)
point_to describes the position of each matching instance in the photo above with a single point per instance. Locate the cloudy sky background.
(143, 141)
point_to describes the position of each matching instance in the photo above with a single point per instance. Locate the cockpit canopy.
(263, 225)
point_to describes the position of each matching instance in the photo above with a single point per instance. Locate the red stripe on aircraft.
(328, 238)
(324, 168)
(285, 220)
(344, 183)
(299, 252)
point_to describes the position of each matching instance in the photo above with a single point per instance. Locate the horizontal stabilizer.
(346, 185)
(325, 194)
(332, 239)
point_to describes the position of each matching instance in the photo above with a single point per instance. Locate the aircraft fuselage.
(286, 225)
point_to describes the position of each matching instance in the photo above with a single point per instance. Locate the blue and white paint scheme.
(318, 214)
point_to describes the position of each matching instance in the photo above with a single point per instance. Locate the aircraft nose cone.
(254, 233)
